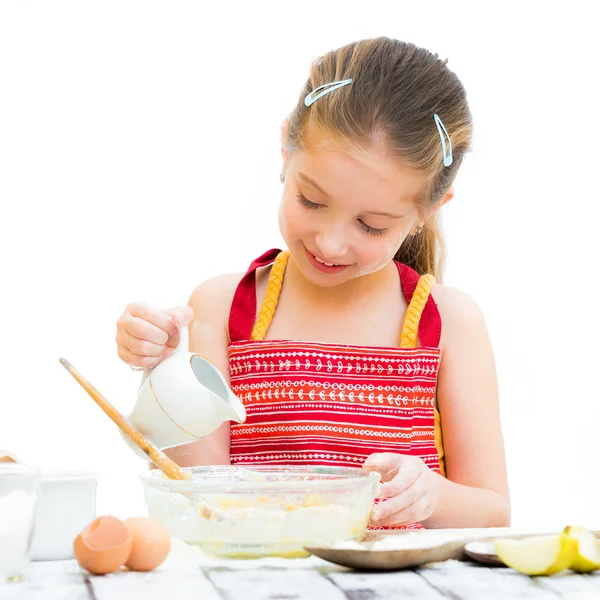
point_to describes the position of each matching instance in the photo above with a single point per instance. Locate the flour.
(16, 521)
(425, 538)
(400, 541)
(382, 261)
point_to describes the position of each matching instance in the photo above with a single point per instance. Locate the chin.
(324, 281)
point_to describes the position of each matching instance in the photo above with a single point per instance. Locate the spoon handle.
(159, 458)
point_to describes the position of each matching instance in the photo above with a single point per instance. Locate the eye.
(314, 206)
(307, 203)
(371, 230)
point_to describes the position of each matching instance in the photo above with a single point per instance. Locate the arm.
(210, 302)
(475, 493)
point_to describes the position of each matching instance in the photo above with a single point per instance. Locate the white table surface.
(189, 574)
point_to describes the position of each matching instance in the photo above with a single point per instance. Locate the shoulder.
(215, 293)
(460, 314)
(211, 303)
(455, 304)
(221, 288)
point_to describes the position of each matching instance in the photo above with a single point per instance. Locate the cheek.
(378, 256)
(281, 219)
(286, 219)
(292, 220)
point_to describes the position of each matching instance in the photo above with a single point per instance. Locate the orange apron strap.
(439, 441)
(267, 310)
(408, 339)
(410, 327)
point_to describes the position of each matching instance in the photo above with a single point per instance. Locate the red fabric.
(430, 325)
(310, 403)
(243, 307)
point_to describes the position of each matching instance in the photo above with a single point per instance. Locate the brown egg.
(151, 543)
(103, 546)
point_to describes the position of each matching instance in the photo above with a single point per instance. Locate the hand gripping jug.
(183, 399)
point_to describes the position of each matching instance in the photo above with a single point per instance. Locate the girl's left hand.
(409, 491)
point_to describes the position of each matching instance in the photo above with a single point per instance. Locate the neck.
(352, 292)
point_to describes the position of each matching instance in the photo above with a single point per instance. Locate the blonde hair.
(396, 89)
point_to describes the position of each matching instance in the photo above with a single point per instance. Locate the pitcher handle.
(184, 340)
(184, 343)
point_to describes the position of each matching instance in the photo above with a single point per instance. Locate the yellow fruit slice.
(538, 555)
(587, 556)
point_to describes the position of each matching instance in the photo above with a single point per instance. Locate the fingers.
(144, 362)
(387, 464)
(411, 496)
(419, 510)
(181, 315)
(157, 317)
(404, 479)
(144, 332)
(403, 497)
(142, 347)
(408, 493)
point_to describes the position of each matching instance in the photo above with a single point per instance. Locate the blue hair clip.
(335, 85)
(447, 155)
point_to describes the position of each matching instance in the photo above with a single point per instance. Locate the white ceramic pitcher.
(183, 399)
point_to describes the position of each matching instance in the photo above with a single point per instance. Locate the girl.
(342, 348)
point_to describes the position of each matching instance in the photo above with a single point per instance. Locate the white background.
(139, 155)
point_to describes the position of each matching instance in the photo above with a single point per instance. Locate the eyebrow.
(385, 214)
(309, 181)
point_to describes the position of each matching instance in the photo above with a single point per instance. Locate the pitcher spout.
(237, 408)
(231, 407)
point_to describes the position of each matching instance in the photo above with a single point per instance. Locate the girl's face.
(344, 216)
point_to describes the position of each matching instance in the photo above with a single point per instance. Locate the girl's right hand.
(146, 335)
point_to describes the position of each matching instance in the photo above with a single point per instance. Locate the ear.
(449, 195)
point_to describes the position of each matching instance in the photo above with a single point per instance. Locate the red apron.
(311, 403)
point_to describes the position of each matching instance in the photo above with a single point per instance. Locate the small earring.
(281, 177)
(419, 230)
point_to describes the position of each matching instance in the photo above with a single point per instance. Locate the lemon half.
(538, 555)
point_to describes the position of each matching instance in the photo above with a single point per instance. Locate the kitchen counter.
(189, 574)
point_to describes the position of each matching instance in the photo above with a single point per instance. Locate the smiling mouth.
(323, 265)
(326, 263)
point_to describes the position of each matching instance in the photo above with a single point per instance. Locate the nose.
(331, 242)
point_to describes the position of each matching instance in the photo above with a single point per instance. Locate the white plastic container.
(18, 484)
(66, 503)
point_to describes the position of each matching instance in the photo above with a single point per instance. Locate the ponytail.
(425, 252)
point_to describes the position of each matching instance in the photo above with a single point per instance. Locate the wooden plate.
(389, 560)
(387, 551)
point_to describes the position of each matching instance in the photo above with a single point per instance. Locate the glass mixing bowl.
(251, 512)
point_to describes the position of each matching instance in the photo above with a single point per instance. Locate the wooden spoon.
(160, 459)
